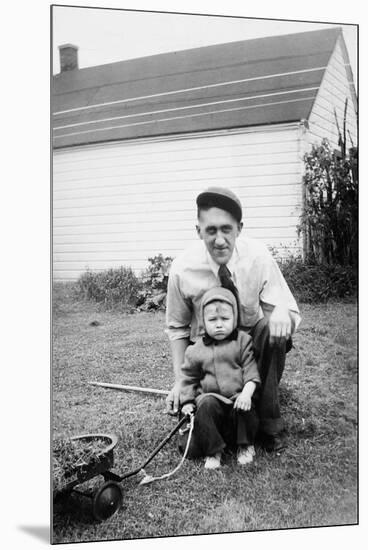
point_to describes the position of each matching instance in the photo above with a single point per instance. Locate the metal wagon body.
(107, 499)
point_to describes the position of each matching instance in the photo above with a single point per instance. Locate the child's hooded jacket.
(222, 367)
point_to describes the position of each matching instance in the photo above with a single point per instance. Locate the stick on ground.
(137, 389)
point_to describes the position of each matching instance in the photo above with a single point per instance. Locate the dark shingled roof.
(238, 84)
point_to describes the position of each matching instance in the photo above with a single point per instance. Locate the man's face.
(219, 231)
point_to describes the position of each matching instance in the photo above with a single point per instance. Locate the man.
(267, 309)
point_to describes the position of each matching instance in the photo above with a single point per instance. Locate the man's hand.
(188, 408)
(178, 348)
(172, 401)
(280, 324)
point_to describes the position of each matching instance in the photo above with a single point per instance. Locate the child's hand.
(244, 399)
(243, 402)
(188, 408)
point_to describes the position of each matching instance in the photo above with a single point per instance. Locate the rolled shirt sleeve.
(178, 309)
(275, 290)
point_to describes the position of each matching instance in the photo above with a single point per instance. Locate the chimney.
(68, 57)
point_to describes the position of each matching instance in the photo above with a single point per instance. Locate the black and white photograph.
(204, 228)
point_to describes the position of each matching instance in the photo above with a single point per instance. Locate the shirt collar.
(231, 263)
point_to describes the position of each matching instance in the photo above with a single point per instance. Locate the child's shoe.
(213, 462)
(246, 454)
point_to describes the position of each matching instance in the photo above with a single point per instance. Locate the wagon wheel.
(107, 500)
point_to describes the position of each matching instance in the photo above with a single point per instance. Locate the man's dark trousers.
(271, 362)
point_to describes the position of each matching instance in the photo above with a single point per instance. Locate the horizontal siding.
(175, 225)
(119, 204)
(111, 239)
(261, 185)
(331, 96)
(213, 175)
(172, 157)
(138, 205)
(168, 169)
(271, 218)
(323, 109)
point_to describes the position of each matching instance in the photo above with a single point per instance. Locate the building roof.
(252, 82)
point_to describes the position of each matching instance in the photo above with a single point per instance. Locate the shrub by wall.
(318, 283)
(154, 283)
(114, 288)
(330, 217)
(121, 289)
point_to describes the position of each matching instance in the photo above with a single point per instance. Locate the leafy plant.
(157, 273)
(331, 207)
(330, 217)
(154, 280)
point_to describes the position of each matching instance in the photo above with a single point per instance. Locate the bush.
(311, 283)
(113, 288)
(330, 217)
(154, 282)
(157, 274)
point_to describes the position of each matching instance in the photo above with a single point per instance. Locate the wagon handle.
(158, 448)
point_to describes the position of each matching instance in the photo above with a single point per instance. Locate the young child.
(219, 377)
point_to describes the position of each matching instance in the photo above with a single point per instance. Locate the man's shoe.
(274, 444)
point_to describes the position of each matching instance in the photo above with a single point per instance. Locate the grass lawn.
(313, 483)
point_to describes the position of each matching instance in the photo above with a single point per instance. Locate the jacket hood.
(223, 295)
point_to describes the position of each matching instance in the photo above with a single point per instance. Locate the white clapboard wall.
(121, 203)
(333, 91)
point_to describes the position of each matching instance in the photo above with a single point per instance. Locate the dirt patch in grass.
(313, 483)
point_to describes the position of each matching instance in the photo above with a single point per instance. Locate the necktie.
(227, 282)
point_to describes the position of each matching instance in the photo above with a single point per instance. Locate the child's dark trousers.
(218, 425)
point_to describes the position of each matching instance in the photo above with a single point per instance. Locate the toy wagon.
(106, 500)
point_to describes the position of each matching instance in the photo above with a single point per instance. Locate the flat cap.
(221, 197)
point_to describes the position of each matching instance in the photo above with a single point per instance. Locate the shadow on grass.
(72, 509)
(300, 423)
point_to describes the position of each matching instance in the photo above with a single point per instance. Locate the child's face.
(218, 320)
